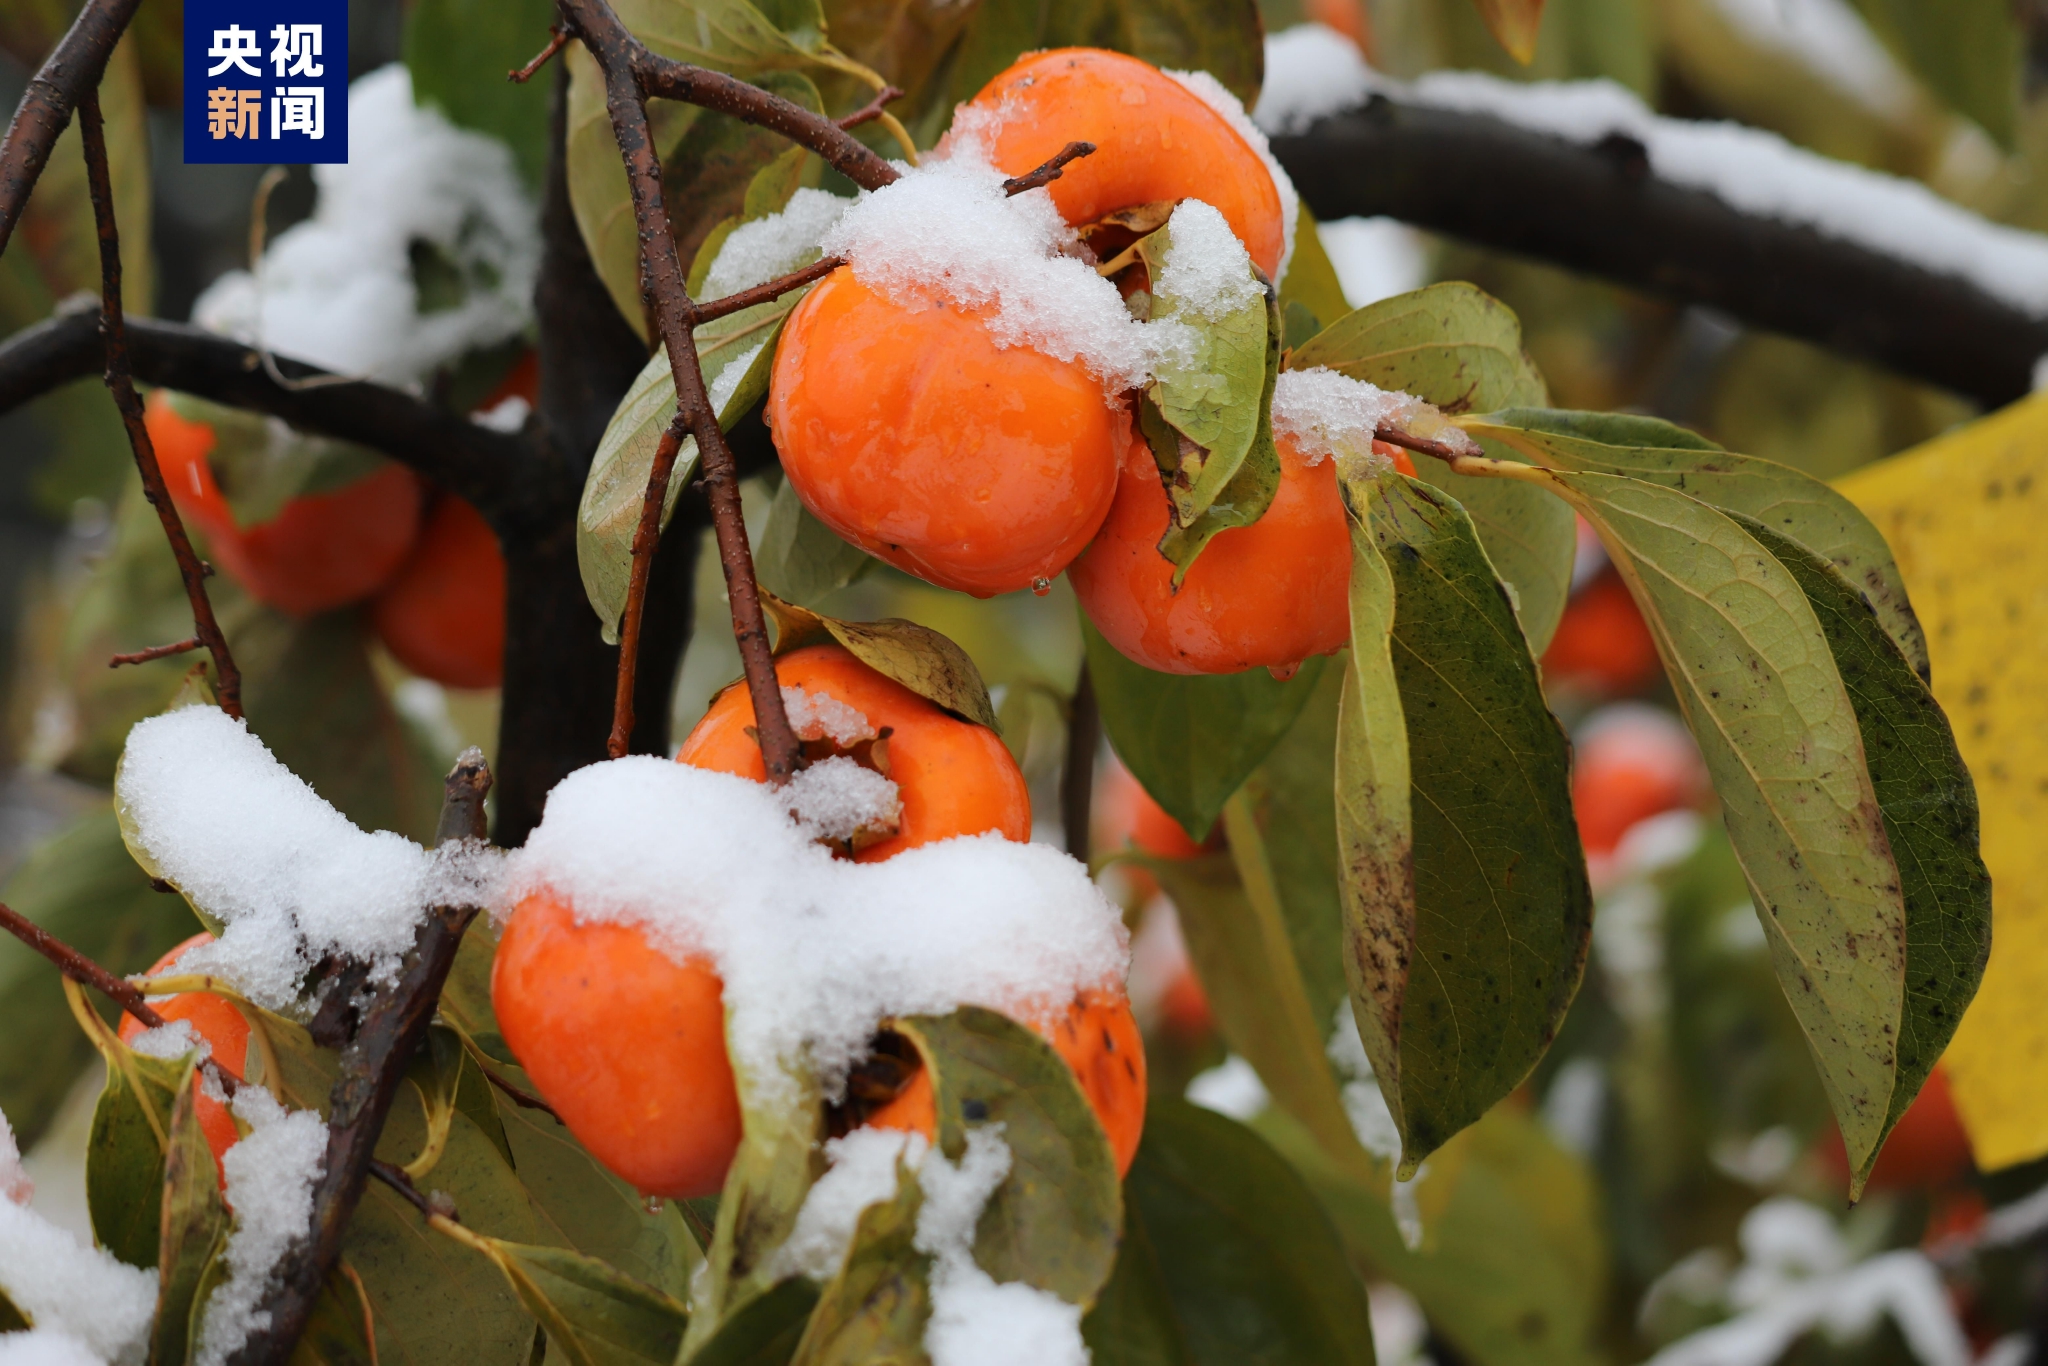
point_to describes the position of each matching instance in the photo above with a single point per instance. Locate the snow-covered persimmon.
(906, 429)
(1097, 1036)
(1155, 140)
(624, 1042)
(321, 551)
(443, 613)
(952, 776)
(223, 1028)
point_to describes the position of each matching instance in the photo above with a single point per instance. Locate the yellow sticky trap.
(1967, 517)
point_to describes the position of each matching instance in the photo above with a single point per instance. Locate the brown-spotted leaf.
(918, 657)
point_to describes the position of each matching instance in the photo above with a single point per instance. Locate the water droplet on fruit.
(1041, 586)
(652, 1204)
(1282, 672)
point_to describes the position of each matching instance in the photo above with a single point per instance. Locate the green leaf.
(876, 1308)
(194, 1228)
(1930, 817)
(1761, 692)
(1215, 451)
(1513, 24)
(1969, 52)
(82, 887)
(769, 192)
(1226, 1257)
(459, 51)
(1310, 284)
(1053, 1222)
(798, 558)
(1191, 740)
(1461, 350)
(466, 997)
(594, 1314)
(609, 513)
(762, 1332)
(921, 659)
(125, 1153)
(1792, 503)
(1469, 912)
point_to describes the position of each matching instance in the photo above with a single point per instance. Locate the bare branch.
(78, 967)
(625, 64)
(873, 109)
(1077, 777)
(762, 293)
(373, 1066)
(558, 38)
(228, 679)
(646, 540)
(176, 647)
(70, 73)
(1394, 436)
(1050, 171)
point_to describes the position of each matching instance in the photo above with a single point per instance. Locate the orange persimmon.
(443, 613)
(214, 1020)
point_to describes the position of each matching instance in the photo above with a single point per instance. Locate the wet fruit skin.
(1154, 140)
(1098, 1038)
(954, 777)
(906, 430)
(215, 1021)
(1272, 593)
(625, 1043)
(322, 551)
(443, 613)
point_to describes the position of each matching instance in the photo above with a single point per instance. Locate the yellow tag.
(1967, 517)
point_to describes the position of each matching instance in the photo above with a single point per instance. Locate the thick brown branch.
(372, 1070)
(78, 967)
(227, 678)
(176, 647)
(762, 293)
(558, 38)
(646, 539)
(67, 76)
(662, 281)
(873, 109)
(1050, 171)
(671, 80)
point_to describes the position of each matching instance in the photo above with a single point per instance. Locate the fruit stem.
(558, 38)
(1050, 171)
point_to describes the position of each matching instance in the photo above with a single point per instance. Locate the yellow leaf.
(1513, 24)
(1964, 515)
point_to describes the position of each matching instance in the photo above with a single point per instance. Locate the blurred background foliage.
(1635, 1191)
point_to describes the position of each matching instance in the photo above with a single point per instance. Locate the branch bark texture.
(1600, 210)
(70, 73)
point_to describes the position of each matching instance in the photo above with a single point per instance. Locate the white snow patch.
(292, 878)
(755, 253)
(1231, 1088)
(338, 289)
(836, 799)
(68, 1289)
(172, 1039)
(1207, 270)
(46, 1347)
(1375, 258)
(821, 716)
(15, 1184)
(270, 1176)
(1329, 414)
(865, 1167)
(1211, 92)
(1373, 1122)
(1313, 71)
(1832, 41)
(814, 951)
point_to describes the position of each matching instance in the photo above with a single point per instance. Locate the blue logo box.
(266, 81)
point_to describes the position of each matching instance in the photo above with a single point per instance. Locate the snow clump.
(171, 1039)
(85, 1305)
(15, 1184)
(1329, 414)
(270, 1176)
(776, 245)
(1206, 269)
(864, 1171)
(815, 951)
(45, 1347)
(836, 799)
(338, 289)
(1211, 92)
(821, 716)
(291, 877)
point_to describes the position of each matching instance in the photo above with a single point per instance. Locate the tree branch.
(496, 472)
(646, 540)
(1077, 776)
(373, 1068)
(662, 281)
(78, 967)
(228, 678)
(70, 73)
(1599, 209)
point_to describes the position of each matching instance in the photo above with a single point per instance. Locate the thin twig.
(71, 71)
(873, 109)
(646, 540)
(631, 73)
(525, 1100)
(176, 647)
(762, 293)
(1394, 436)
(78, 967)
(228, 679)
(396, 1178)
(1051, 170)
(558, 38)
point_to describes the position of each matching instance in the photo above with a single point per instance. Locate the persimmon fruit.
(1629, 770)
(1602, 641)
(1270, 594)
(625, 1043)
(214, 1020)
(953, 777)
(321, 551)
(1154, 138)
(1123, 814)
(909, 432)
(1098, 1038)
(443, 613)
